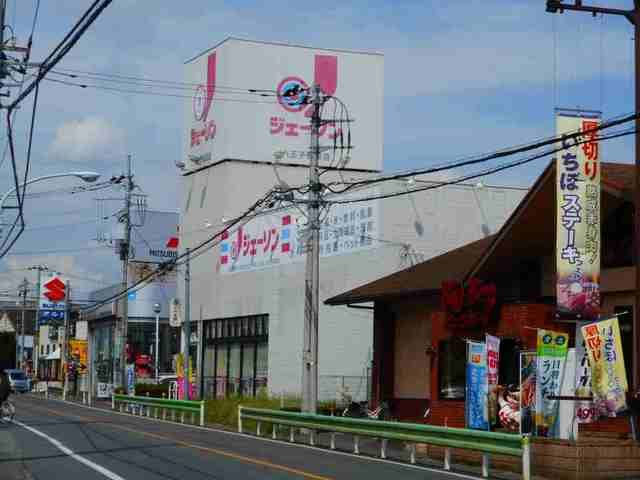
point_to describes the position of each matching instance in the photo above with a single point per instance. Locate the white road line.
(67, 451)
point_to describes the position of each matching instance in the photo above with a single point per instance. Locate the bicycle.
(7, 411)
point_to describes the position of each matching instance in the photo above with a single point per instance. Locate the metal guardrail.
(160, 406)
(476, 440)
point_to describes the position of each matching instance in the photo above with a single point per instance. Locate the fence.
(477, 440)
(336, 387)
(144, 406)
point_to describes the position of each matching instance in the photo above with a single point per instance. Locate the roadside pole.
(65, 343)
(186, 324)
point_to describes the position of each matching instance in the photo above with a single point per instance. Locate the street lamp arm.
(86, 176)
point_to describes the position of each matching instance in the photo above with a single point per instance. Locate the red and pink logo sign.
(294, 95)
(202, 101)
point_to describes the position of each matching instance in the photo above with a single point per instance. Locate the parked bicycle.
(7, 411)
(361, 410)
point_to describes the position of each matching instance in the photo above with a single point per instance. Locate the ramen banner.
(578, 217)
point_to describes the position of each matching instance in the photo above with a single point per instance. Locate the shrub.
(152, 390)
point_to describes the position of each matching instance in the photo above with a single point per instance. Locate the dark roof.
(424, 278)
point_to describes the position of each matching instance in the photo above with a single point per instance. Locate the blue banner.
(477, 389)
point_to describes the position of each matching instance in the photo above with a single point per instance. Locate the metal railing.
(485, 442)
(159, 407)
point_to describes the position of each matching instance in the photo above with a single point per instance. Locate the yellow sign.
(608, 374)
(78, 352)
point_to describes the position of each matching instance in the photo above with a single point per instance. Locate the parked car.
(18, 381)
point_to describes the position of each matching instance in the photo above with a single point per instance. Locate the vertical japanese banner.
(578, 218)
(552, 352)
(493, 362)
(608, 374)
(585, 408)
(528, 362)
(476, 391)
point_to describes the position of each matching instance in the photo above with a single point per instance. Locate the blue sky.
(460, 78)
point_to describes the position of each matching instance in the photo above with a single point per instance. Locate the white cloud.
(87, 140)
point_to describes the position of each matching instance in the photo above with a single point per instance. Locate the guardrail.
(477, 440)
(144, 405)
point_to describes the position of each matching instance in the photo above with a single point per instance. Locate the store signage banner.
(578, 218)
(278, 239)
(493, 362)
(476, 392)
(609, 378)
(585, 409)
(78, 354)
(528, 367)
(552, 353)
(52, 304)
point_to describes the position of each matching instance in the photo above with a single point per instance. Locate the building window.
(235, 357)
(452, 354)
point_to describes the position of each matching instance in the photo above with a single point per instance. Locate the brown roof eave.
(346, 299)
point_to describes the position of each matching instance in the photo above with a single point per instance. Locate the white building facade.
(247, 291)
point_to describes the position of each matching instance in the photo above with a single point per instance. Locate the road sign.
(175, 319)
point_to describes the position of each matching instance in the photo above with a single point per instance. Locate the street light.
(88, 177)
(156, 309)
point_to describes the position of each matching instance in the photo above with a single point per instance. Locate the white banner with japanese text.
(578, 218)
(279, 238)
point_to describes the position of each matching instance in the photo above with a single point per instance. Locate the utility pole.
(186, 323)
(22, 291)
(65, 343)
(554, 6)
(36, 328)
(120, 362)
(312, 273)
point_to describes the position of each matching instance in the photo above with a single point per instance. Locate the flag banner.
(493, 362)
(608, 374)
(578, 219)
(585, 409)
(527, 398)
(552, 353)
(476, 391)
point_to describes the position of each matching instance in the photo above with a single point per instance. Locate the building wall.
(430, 223)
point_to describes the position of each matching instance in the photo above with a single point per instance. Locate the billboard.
(578, 219)
(156, 240)
(280, 238)
(223, 120)
(53, 299)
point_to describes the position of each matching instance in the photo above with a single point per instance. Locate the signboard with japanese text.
(277, 239)
(578, 218)
(608, 374)
(247, 90)
(52, 306)
(476, 392)
(78, 354)
(585, 409)
(493, 361)
(552, 353)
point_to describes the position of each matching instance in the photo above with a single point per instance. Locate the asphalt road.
(51, 440)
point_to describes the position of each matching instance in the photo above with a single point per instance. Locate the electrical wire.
(482, 173)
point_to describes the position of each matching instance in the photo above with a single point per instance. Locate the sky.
(460, 78)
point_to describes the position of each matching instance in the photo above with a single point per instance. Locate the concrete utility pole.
(120, 363)
(22, 291)
(186, 323)
(64, 354)
(312, 273)
(554, 6)
(36, 328)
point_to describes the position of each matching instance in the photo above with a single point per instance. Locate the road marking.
(396, 463)
(67, 451)
(223, 453)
